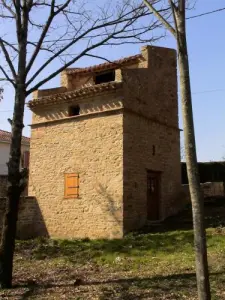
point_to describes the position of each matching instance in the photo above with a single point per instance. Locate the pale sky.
(206, 45)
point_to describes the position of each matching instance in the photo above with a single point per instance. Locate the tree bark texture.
(15, 177)
(192, 166)
(13, 193)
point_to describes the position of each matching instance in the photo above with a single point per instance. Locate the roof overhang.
(109, 65)
(84, 92)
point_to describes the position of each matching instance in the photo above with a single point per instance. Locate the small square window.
(71, 185)
(74, 110)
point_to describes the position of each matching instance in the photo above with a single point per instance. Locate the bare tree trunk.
(223, 188)
(13, 193)
(192, 166)
(15, 177)
(178, 9)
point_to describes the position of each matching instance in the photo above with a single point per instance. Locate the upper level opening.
(104, 77)
(74, 110)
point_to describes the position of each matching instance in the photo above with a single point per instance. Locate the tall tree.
(178, 30)
(41, 39)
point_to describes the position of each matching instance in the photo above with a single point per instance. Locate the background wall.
(4, 156)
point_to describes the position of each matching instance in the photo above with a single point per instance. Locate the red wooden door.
(153, 195)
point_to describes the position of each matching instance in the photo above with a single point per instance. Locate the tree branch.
(160, 17)
(57, 54)
(6, 77)
(10, 45)
(175, 13)
(83, 53)
(7, 57)
(18, 17)
(8, 7)
(52, 15)
(181, 6)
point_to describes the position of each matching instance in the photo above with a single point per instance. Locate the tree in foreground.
(39, 39)
(178, 30)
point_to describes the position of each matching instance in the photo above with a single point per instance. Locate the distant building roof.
(105, 66)
(5, 136)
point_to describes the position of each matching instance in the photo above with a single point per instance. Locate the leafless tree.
(178, 29)
(38, 40)
(1, 94)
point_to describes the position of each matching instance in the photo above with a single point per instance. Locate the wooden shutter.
(71, 185)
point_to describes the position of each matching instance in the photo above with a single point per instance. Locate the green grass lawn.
(141, 266)
(157, 265)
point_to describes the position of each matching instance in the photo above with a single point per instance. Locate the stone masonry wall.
(140, 135)
(30, 221)
(110, 150)
(87, 106)
(209, 189)
(151, 120)
(151, 90)
(48, 92)
(92, 147)
(72, 82)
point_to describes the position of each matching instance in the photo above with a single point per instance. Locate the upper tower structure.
(105, 150)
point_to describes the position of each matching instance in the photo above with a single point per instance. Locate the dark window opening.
(105, 77)
(74, 110)
(153, 150)
(153, 195)
(25, 159)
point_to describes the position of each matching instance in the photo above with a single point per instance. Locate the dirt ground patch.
(156, 263)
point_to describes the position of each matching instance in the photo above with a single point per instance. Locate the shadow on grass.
(169, 237)
(172, 236)
(214, 209)
(81, 251)
(177, 285)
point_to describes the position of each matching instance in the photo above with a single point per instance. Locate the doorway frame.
(159, 175)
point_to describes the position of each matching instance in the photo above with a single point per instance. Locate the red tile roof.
(105, 66)
(5, 136)
(82, 92)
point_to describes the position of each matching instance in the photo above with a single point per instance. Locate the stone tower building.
(105, 150)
